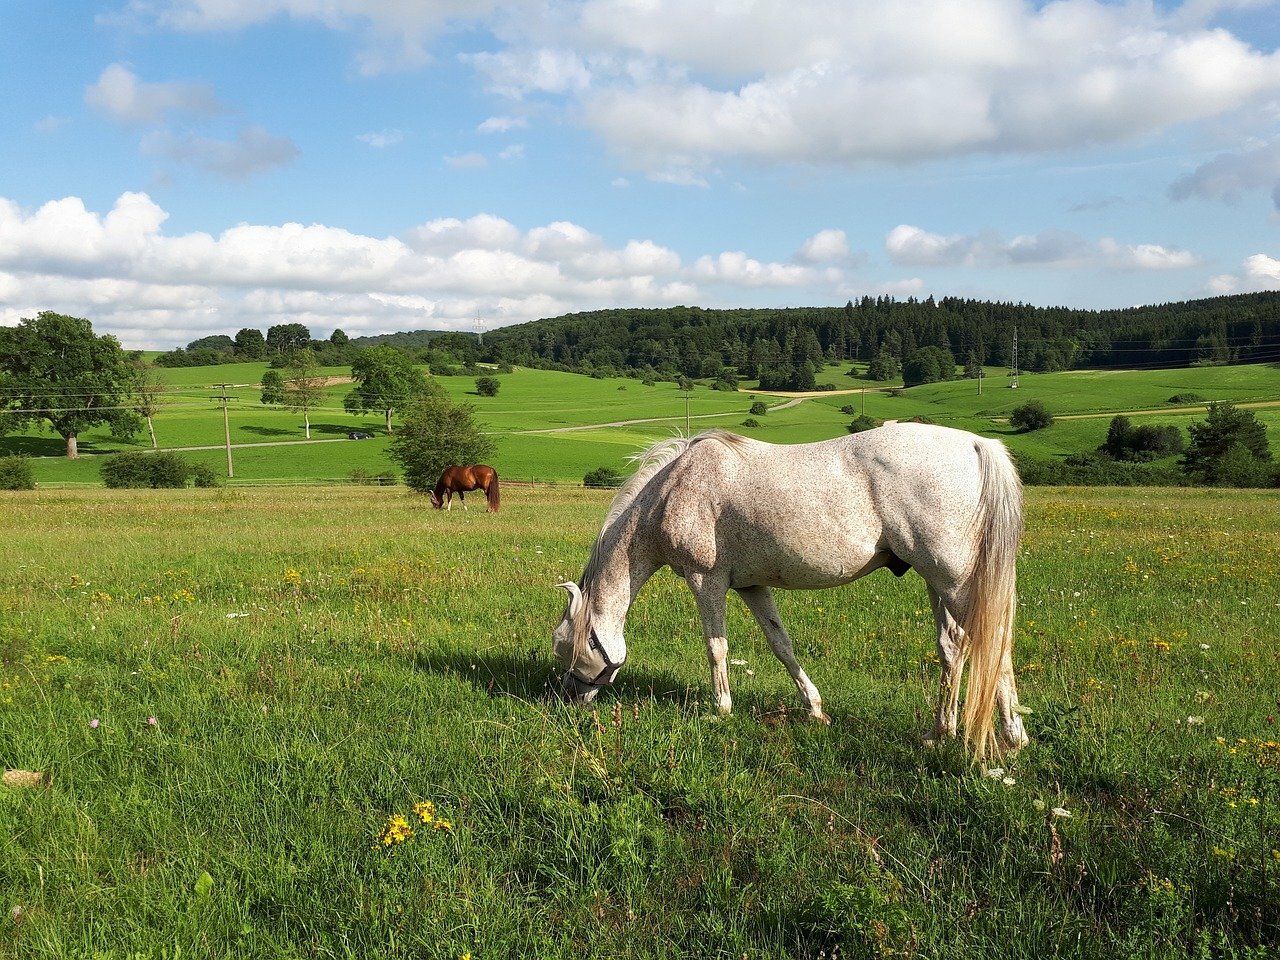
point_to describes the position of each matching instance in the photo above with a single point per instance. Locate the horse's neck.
(619, 567)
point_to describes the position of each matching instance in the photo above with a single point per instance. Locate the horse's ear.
(575, 597)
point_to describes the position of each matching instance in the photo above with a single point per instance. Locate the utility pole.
(226, 426)
(687, 431)
(1013, 367)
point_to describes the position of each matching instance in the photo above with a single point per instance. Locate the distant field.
(236, 690)
(530, 401)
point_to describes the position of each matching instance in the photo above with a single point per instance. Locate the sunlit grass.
(319, 661)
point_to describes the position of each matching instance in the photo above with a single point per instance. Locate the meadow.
(269, 444)
(318, 722)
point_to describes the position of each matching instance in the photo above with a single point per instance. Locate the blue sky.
(176, 168)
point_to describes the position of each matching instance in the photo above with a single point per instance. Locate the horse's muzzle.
(576, 690)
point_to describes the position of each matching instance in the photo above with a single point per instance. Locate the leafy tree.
(284, 338)
(339, 338)
(928, 365)
(1225, 427)
(487, 386)
(219, 342)
(434, 435)
(145, 392)
(1032, 415)
(1126, 442)
(250, 344)
(56, 369)
(303, 385)
(272, 388)
(387, 380)
(759, 408)
(884, 367)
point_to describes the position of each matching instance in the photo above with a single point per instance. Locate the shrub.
(602, 477)
(487, 386)
(139, 470)
(1186, 398)
(751, 422)
(1030, 416)
(15, 473)
(203, 475)
(759, 408)
(863, 422)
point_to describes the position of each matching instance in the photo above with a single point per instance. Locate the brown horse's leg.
(462, 498)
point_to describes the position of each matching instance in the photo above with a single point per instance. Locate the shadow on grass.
(270, 431)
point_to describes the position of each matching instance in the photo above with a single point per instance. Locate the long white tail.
(991, 592)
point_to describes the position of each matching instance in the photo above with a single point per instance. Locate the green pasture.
(237, 691)
(529, 416)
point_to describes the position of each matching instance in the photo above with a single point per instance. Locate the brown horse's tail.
(991, 592)
(493, 494)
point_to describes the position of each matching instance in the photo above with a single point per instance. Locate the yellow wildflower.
(425, 811)
(396, 831)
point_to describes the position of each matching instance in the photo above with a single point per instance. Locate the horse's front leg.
(759, 601)
(710, 597)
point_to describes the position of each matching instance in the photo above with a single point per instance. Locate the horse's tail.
(493, 494)
(991, 591)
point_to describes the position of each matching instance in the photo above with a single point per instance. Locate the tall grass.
(318, 661)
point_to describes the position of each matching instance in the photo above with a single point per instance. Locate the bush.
(602, 477)
(1186, 398)
(487, 386)
(203, 475)
(1126, 442)
(759, 408)
(1030, 416)
(863, 422)
(751, 422)
(140, 470)
(15, 473)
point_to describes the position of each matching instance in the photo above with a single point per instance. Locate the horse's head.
(588, 663)
(436, 501)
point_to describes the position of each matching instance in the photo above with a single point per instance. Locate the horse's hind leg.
(759, 601)
(462, 499)
(710, 597)
(951, 656)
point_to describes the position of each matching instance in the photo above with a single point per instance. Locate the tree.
(250, 344)
(56, 369)
(284, 338)
(339, 338)
(303, 385)
(1032, 415)
(145, 392)
(434, 435)
(272, 387)
(928, 365)
(602, 477)
(386, 380)
(884, 367)
(488, 386)
(1225, 427)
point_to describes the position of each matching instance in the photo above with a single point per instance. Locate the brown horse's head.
(436, 500)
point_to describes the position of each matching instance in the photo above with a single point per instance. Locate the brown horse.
(459, 480)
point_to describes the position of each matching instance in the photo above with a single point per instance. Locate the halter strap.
(610, 667)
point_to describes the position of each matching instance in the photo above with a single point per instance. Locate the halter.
(610, 667)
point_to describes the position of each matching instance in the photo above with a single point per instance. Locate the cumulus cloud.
(1257, 273)
(824, 246)
(151, 288)
(909, 245)
(253, 150)
(502, 124)
(121, 96)
(1230, 175)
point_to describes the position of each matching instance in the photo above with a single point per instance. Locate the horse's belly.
(816, 571)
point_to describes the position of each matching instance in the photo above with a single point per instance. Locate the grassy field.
(268, 441)
(237, 691)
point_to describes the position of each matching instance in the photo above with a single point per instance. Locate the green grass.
(530, 401)
(318, 660)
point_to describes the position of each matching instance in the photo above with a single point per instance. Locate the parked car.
(359, 435)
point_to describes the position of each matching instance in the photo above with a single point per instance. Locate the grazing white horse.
(726, 512)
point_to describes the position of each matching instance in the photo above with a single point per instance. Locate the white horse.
(726, 512)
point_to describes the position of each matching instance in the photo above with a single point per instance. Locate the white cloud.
(909, 245)
(517, 74)
(382, 138)
(824, 246)
(122, 97)
(120, 269)
(254, 150)
(1258, 272)
(502, 124)
(467, 161)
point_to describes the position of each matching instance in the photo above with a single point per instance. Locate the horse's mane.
(649, 462)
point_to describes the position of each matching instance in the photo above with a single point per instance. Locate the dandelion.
(292, 577)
